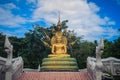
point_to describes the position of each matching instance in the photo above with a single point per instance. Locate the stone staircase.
(54, 76)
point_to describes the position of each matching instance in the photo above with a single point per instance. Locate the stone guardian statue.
(99, 64)
(9, 50)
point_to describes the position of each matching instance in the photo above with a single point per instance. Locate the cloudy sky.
(92, 18)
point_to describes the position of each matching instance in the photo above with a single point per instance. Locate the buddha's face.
(59, 39)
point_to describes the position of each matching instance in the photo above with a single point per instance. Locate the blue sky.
(92, 18)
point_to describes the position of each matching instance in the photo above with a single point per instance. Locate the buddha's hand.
(53, 52)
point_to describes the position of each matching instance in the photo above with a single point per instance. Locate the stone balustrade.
(91, 62)
(16, 69)
(110, 65)
(10, 68)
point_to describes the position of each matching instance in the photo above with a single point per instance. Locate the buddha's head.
(58, 37)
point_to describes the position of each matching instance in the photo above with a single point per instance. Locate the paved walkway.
(54, 76)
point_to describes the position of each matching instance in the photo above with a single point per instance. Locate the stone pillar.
(112, 67)
(99, 64)
(8, 76)
(38, 68)
(9, 50)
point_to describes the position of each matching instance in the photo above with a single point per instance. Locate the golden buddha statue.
(59, 43)
(59, 47)
(58, 57)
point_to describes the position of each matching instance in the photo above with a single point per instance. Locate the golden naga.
(58, 42)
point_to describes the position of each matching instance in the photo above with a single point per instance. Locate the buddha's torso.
(60, 48)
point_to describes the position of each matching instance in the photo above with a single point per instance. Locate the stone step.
(59, 68)
(58, 63)
(59, 59)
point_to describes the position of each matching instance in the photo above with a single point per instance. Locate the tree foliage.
(33, 50)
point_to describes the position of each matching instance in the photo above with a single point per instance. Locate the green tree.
(32, 49)
(116, 48)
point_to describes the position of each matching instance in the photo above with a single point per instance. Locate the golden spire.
(59, 23)
(59, 20)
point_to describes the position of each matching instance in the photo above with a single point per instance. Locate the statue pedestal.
(61, 62)
(58, 55)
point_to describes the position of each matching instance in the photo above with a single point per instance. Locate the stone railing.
(2, 68)
(110, 65)
(16, 69)
(10, 68)
(91, 63)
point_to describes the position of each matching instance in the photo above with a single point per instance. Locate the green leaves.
(32, 49)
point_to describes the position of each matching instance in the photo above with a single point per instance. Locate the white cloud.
(9, 6)
(94, 7)
(7, 18)
(82, 16)
(15, 32)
